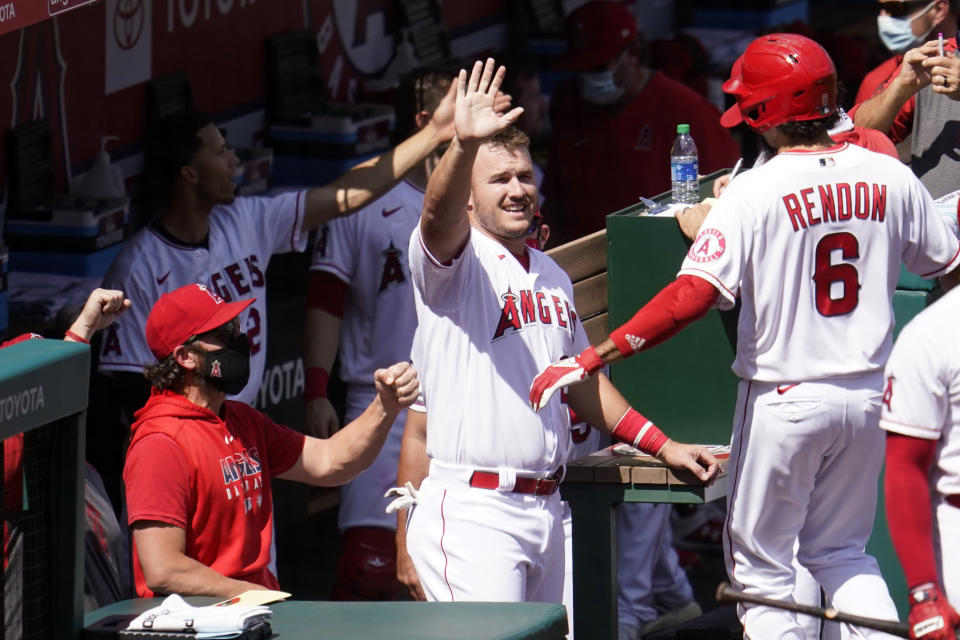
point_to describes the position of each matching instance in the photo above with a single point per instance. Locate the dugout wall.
(43, 395)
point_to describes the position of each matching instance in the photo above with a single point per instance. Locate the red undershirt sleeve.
(678, 304)
(909, 512)
(327, 293)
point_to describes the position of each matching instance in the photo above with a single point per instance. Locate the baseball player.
(811, 242)
(206, 234)
(920, 404)
(488, 524)
(361, 301)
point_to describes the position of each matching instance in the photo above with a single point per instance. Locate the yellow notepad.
(254, 597)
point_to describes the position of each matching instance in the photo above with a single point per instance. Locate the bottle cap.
(683, 128)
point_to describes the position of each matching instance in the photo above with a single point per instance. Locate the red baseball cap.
(596, 32)
(186, 312)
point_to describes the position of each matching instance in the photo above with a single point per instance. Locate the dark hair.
(420, 90)
(170, 145)
(166, 374)
(808, 129)
(511, 138)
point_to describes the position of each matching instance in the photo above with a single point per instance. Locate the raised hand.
(913, 73)
(476, 118)
(397, 386)
(442, 118)
(100, 310)
(944, 74)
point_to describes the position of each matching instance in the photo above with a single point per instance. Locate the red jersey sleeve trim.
(711, 279)
(947, 268)
(441, 265)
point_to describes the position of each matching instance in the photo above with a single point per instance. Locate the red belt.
(954, 500)
(532, 486)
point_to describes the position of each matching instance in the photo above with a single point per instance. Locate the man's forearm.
(368, 180)
(167, 569)
(345, 454)
(321, 339)
(191, 578)
(880, 111)
(444, 224)
(414, 464)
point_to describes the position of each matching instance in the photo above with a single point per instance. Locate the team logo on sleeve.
(709, 245)
(888, 393)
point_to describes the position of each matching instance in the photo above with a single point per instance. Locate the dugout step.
(719, 623)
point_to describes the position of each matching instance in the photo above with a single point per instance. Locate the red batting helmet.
(781, 77)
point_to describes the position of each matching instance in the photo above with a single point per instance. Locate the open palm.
(476, 117)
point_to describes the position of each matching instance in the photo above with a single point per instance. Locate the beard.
(488, 219)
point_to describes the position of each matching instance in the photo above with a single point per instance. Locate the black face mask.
(228, 369)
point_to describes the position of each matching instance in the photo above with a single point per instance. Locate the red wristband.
(316, 383)
(76, 338)
(591, 361)
(639, 432)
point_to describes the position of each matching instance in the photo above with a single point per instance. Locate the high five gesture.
(445, 225)
(476, 117)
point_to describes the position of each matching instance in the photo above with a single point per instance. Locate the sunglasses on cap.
(902, 8)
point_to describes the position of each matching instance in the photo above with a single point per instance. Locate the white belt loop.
(508, 479)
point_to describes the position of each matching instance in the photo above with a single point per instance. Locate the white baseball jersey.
(922, 393)
(814, 251)
(242, 237)
(489, 327)
(367, 251)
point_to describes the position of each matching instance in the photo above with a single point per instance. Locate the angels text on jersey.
(237, 281)
(528, 307)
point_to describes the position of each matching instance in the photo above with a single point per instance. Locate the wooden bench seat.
(585, 261)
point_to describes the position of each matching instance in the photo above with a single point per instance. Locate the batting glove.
(406, 497)
(560, 374)
(931, 616)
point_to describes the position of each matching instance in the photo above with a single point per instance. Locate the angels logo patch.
(710, 245)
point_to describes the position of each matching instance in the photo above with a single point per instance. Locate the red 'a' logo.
(215, 369)
(392, 269)
(509, 316)
(888, 393)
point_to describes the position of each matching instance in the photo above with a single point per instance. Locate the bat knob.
(723, 592)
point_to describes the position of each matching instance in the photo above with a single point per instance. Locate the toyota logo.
(128, 20)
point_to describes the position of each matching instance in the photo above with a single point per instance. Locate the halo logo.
(366, 31)
(128, 21)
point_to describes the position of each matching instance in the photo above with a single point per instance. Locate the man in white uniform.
(205, 234)
(488, 525)
(811, 242)
(361, 301)
(921, 405)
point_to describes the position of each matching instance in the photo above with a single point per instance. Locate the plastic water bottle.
(683, 167)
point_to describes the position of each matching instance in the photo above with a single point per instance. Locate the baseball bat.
(726, 593)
